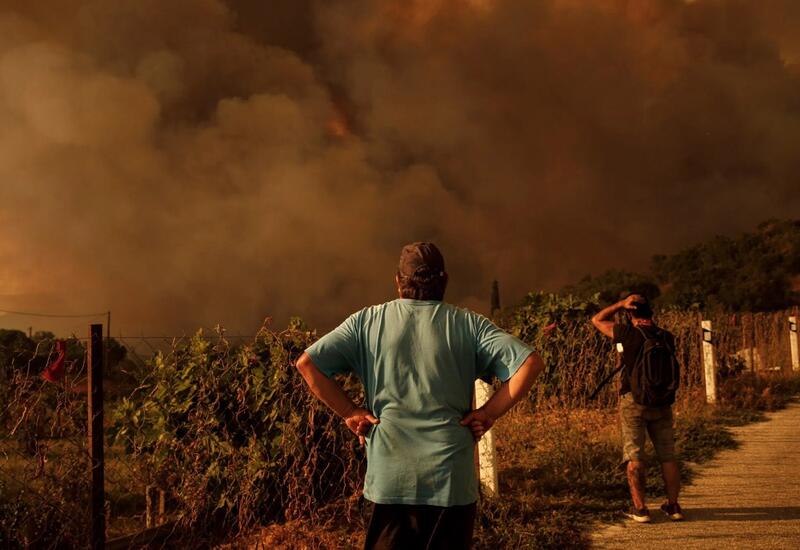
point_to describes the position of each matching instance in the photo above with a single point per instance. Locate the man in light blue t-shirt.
(418, 358)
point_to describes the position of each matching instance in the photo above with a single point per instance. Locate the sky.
(201, 162)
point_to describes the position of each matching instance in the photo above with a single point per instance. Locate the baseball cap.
(421, 260)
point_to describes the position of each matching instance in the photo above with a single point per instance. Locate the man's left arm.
(500, 354)
(509, 394)
(327, 390)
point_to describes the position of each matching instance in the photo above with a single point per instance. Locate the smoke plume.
(191, 162)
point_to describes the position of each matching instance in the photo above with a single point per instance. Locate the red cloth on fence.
(55, 370)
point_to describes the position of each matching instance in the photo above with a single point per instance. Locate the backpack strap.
(659, 332)
(641, 349)
(644, 334)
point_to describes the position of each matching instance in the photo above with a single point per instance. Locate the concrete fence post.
(709, 363)
(793, 343)
(487, 457)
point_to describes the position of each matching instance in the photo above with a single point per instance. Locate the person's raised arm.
(512, 390)
(602, 319)
(357, 419)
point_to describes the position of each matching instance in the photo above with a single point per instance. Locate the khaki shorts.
(656, 421)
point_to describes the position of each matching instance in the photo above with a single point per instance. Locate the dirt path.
(748, 498)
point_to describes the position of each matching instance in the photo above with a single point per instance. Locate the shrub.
(234, 436)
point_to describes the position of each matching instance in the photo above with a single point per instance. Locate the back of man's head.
(643, 309)
(420, 273)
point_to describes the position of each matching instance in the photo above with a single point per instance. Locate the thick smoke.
(198, 161)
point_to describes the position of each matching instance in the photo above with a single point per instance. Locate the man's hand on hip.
(479, 422)
(359, 421)
(510, 392)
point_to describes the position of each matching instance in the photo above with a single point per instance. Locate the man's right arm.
(602, 320)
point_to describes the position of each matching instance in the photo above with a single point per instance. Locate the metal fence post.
(793, 342)
(709, 363)
(95, 398)
(487, 458)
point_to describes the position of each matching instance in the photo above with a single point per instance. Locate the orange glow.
(16, 277)
(337, 127)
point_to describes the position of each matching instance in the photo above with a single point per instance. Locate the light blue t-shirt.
(418, 361)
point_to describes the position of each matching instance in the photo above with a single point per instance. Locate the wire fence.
(224, 428)
(578, 357)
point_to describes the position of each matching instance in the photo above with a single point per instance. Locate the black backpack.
(655, 375)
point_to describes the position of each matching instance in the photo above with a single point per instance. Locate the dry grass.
(335, 527)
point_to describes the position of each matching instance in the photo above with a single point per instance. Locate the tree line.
(753, 271)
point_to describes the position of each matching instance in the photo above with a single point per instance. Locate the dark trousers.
(420, 527)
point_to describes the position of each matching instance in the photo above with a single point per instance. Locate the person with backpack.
(650, 378)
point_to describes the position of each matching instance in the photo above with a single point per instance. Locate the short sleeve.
(338, 351)
(498, 352)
